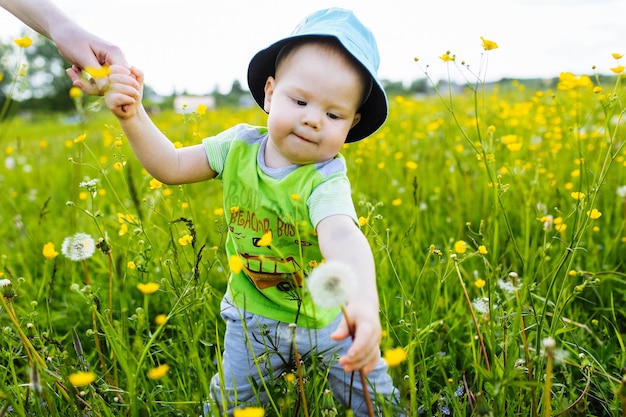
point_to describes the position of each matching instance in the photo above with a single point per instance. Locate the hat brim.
(373, 111)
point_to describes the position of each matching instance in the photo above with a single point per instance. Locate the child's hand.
(364, 353)
(124, 92)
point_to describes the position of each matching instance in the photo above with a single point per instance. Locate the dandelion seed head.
(481, 304)
(78, 247)
(331, 284)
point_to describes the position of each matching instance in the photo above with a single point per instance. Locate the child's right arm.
(154, 150)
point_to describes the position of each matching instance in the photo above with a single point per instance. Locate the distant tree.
(45, 85)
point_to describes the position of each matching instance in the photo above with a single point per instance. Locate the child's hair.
(332, 45)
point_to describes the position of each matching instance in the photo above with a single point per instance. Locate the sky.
(197, 46)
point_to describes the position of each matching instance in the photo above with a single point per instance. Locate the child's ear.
(357, 119)
(269, 92)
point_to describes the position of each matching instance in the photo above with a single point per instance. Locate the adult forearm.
(40, 15)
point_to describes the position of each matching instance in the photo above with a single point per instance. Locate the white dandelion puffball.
(78, 247)
(332, 283)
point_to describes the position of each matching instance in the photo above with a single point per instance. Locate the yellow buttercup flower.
(101, 72)
(49, 252)
(395, 357)
(488, 45)
(80, 138)
(482, 250)
(447, 57)
(154, 184)
(594, 214)
(185, 240)
(160, 319)
(76, 92)
(618, 69)
(80, 379)
(201, 109)
(480, 283)
(295, 197)
(577, 195)
(460, 246)
(235, 264)
(24, 42)
(616, 55)
(159, 372)
(249, 412)
(266, 240)
(148, 287)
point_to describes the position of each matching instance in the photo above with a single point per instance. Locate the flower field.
(497, 219)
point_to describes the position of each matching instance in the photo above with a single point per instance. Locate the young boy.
(288, 205)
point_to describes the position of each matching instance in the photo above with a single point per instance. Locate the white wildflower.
(481, 305)
(78, 247)
(621, 191)
(4, 282)
(509, 286)
(331, 284)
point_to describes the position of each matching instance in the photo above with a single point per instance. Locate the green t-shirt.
(287, 203)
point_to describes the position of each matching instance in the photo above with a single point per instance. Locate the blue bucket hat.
(355, 38)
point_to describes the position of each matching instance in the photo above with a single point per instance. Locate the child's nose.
(312, 119)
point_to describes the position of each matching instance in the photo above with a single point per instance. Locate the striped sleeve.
(333, 196)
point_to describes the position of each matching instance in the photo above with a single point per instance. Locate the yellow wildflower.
(616, 55)
(488, 45)
(160, 319)
(49, 252)
(447, 57)
(1, 77)
(394, 357)
(480, 283)
(80, 138)
(594, 214)
(411, 165)
(577, 195)
(363, 221)
(266, 240)
(159, 372)
(460, 246)
(101, 72)
(24, 42)
(201, 109)
(295, 197)
(249, 412)
(76, 92)
(131, 265)
(80, 379)
(396, 202)
(185, 240)
(154, 184)
(618, 69)
(123, 229)
(482, 250)
(148, 287)
(235, 264)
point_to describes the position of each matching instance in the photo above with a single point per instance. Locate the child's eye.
(300, 102)
(332, 116)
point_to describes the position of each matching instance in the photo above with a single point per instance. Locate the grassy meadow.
(497, 219)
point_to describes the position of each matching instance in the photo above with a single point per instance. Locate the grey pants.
(257, 348)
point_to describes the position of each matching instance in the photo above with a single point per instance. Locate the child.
(287, 203)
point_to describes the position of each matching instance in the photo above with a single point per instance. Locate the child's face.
(312, 104)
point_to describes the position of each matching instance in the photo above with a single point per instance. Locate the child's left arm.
(341, 240)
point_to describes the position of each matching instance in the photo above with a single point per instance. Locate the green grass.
(455, 212)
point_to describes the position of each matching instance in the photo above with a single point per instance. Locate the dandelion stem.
(364, 385)
(474, 320)
(96, 337)
(298, 359)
